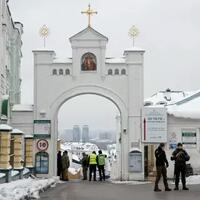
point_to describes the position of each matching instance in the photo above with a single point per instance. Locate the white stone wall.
(23, 120)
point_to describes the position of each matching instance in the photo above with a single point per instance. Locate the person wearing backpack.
(180, 156)
(101, 165)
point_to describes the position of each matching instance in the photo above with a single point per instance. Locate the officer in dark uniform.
(180, 156)
(161, 167)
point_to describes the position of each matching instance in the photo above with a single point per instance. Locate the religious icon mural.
(88, 62)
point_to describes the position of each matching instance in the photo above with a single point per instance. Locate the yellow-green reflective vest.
(93, 159)
(101, 159)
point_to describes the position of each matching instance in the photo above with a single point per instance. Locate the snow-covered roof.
(28, 136)
(60, 60)
(167, 97)
(178, 103)
(115, 60)
(17, 131)
(134, 49)
(109, 60)
(187, 108)
(135, 149)
(22, 107)
(5, 127)
(43, 50)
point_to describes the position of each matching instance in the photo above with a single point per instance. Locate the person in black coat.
(161, 167)
(59, 163)
(180, 156)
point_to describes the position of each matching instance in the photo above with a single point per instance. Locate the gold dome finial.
(133, 33)
(44, 33)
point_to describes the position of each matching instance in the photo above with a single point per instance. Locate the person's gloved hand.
(167, 165)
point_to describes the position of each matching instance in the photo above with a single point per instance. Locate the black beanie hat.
(179, 144)
(162, 144)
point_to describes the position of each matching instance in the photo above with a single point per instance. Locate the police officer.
(161, 167)
(180, 156)
(101, 165)
(92, 165)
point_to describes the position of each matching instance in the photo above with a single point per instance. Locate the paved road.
(108, 191)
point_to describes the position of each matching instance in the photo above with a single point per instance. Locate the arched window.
(67, 72)
(42, 163)
(116, 71)
(110, 72)
(123, 72)
(54, 72)
(88, 62)
(60, 71)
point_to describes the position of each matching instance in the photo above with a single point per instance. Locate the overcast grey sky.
(96, 111)
(169, 31)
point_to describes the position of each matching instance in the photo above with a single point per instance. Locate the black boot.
(185, 188)
(167, 189)
(157, 190)
(176, 188)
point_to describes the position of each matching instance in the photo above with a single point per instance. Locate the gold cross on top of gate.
(89, 12)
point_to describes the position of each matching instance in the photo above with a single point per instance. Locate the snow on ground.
(193, 180)
(2, 175)
(26, 188)
(131, 182)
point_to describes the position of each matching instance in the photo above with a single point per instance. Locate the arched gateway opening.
(87, 123)
(109, 97)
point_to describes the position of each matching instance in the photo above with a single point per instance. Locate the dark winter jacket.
(161, 159)
(180, 156)
(84, 161)
(59, 163)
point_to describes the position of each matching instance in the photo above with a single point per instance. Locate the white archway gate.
(90, 72)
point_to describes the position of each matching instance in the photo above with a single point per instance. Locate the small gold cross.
(89, 12)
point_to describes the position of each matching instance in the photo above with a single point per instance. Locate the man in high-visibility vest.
(101, 159)
(92, 165)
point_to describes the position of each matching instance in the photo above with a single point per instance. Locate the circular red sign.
(42, 145)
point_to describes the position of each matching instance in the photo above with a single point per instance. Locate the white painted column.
(134, 61)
